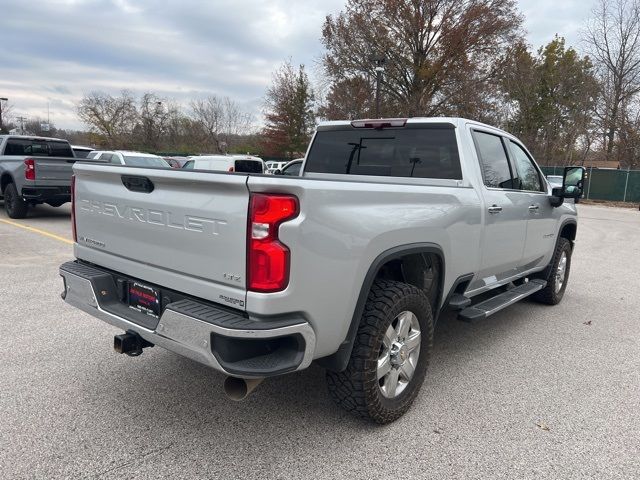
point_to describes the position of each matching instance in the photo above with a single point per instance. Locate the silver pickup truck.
(348, 265)
(34, 170)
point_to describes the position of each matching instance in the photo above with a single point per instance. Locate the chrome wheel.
(399, 354)
(561, 272)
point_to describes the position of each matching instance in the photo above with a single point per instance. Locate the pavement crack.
(134, 460)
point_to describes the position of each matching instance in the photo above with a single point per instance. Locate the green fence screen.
(607, 184)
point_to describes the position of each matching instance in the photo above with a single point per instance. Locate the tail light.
(267, 258)
(73, 208)
(231, 169)
(29, 169)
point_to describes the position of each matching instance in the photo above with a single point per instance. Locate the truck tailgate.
(188, 233)
(53, 170)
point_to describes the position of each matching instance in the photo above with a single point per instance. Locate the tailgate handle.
(137, 184)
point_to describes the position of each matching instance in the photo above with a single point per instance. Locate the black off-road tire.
(548, 294)
(356, 389)
(14, 205)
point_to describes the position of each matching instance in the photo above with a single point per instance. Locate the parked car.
(132, 159)
(555, 180)
(34, 170)
(81, 152)
(226, 163)
(272, 166)
(291, 169)
(348, 265)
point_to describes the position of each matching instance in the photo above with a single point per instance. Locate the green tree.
(289, 113)
(552, 96)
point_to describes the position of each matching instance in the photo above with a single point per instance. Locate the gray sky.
(53, 52)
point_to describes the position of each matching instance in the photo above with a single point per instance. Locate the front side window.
(493, 160)
(293, 170)
(527, 172)
(423, 152)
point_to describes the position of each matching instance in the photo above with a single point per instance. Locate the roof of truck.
(453, 120)
(33, 137)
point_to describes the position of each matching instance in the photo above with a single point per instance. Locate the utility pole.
(379, 60)
(2, 99)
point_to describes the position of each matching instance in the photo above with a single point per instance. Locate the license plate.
(144, 299)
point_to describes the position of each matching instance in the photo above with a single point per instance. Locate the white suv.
(226, 163)
(133, 159)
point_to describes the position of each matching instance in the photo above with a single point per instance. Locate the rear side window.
(248, 166)
(38, 148)
(406, 152)
(188, 165)
(493, 160)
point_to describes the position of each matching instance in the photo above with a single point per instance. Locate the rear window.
(188, 165)
(425, 152)
(142, 161)
(81, 153)
(248, 166)
(38, 148)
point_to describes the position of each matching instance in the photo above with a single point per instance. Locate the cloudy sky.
(53, 52)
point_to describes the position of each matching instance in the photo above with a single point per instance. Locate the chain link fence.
(607, 184)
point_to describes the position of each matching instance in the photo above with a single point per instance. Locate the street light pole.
(379, 61)
(2, 99)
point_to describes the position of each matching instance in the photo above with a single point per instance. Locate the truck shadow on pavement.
(56, 214)
(172, 392)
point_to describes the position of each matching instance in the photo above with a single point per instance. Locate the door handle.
(533, 208)
(494, 209)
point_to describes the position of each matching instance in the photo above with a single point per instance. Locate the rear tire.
(558, 275)
(395, 336)
(14, 205)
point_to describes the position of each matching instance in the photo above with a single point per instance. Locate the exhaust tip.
(239, 388)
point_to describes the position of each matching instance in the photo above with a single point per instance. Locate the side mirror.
(572, 185)
(573, 182)
(277, 172)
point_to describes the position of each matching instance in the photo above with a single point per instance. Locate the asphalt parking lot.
(532, 392)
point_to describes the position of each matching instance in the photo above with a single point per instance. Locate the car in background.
(554, 180)
(80, 151)
(226, 163)
(272, 166)
(291, 169)
(132, 159)
(34, 170)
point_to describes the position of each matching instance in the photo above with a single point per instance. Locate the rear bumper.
(47, 194)
(228, 341)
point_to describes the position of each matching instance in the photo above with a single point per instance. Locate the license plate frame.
(143, 299)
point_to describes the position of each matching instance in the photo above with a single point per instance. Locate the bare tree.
(113, 117)
(220, 120)
(154, 116)
(6, 116)
(613, 40)
(437, 52)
